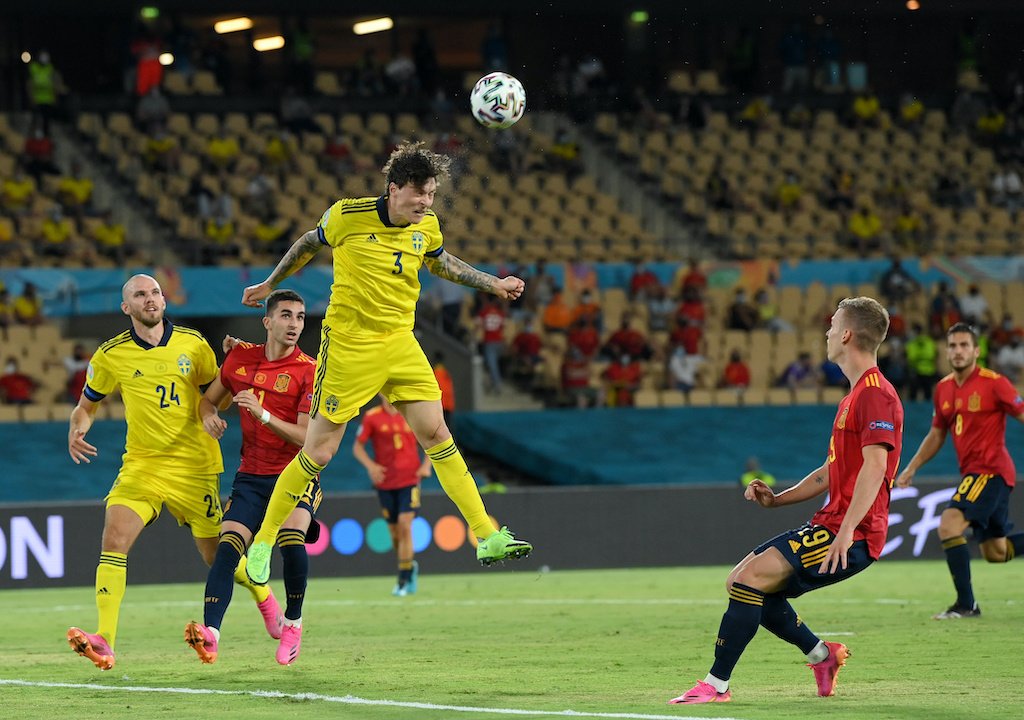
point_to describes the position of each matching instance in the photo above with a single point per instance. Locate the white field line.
(344, 699)
(491, 602)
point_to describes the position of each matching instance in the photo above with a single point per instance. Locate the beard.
(148, 321)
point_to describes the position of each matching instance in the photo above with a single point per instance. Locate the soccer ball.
(498, 100)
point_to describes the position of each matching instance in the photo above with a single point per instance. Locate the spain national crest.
(184, 364)
(841, 423)
(281, 384)
(974, 402)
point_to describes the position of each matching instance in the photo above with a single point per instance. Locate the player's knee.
(994, 553)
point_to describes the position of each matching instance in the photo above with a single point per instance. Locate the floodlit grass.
(592, 642)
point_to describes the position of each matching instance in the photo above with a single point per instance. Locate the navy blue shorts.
(985, 502)
(395, 502)
(251, 493)
(805, 548)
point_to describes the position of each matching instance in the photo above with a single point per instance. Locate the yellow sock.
(291, 483)
(259, 592)
(458, 482)
(111, 580)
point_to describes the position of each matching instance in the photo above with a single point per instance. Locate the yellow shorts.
(193, 500)
(350, 371)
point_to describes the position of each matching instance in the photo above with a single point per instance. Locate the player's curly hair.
(868, 320)
(412, 162)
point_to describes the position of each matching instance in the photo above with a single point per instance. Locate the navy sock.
(295, 568)
(220, 582)
(739, 625)
(779, 617)
(404, 573)
(958, 557)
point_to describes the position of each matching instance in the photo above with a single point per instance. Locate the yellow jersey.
(376, 265)
(160, 388)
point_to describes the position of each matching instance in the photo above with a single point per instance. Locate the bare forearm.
(289, 432)
(869, 480)
(931, 444)
(300, 253)
(813, 484)
(81, 418)
(360, 454)
(449, 267)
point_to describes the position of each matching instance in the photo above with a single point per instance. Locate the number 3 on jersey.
(398, 263)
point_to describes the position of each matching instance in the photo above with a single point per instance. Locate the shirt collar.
(168, 329)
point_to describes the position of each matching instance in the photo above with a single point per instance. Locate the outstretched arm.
(300, 253)
(813, 484)
(931, 444)
(449, 267)
(81, 420)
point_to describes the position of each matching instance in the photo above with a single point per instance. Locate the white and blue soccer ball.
(498, 100)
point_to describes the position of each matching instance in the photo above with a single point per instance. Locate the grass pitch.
(492, 644)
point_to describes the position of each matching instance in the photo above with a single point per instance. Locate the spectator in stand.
(717, 191)
(896, 284)
(584, 337)
(642, 282)
(28, 307)
(1007, 190)
(260, 191)
(280, 150)
(557, 315)
(297, 114)
(6, 311)
(943, 310)
(44, 88)
(897, 323)
(922, 361)
(57, 234)
(974, 307)
(110, 238)
(526, 346)
(742, 315)
(540, 289)
(768, 313)
(75, 192)
(839, 189)
(1010, 359)
(160, 152)
(576, 379)
(866, 109)
(37, 153)
(893, 364)
(832, 375)
(447, 299)
(447, 386)
(16, 388)
(660, 309)
(865, 228)
(77, 365)
(911, 112)
(755, 472)
(789, 192)
(588, 309)
(627, 340)
(425, 56)
(908, 228)
(736, 373)
(272, 233)
(491, 327)
(688, 334)
(222, 152)
(801, 373)
(796, 75)
(692, 306)
(1006, 330)
(622, 380)
(149, 73)
(18, 191)
(564, 155)
(152, 111)
(338, 158)
(684, 369)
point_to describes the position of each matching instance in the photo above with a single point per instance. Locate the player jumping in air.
(973, 403)
(367, 343)
(842, 538)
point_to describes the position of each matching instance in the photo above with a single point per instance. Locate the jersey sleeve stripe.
(321, 236)
(435, 253)
(111, 344)
(91, 394)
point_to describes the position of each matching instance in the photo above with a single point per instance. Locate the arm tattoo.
(449, 267)
(300, 253)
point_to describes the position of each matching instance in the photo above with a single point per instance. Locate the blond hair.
(867, 320)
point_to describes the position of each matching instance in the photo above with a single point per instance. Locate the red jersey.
(871, 414)
(284, 387)
(394, 447)
(975, 413)
(492, 319)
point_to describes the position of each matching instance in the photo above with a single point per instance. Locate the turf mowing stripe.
(346, 700)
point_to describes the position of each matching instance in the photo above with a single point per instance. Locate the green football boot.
(257, 562)
(501, 545)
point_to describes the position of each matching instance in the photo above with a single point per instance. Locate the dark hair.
(280, 296)
(962, 327)
(412, 162)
